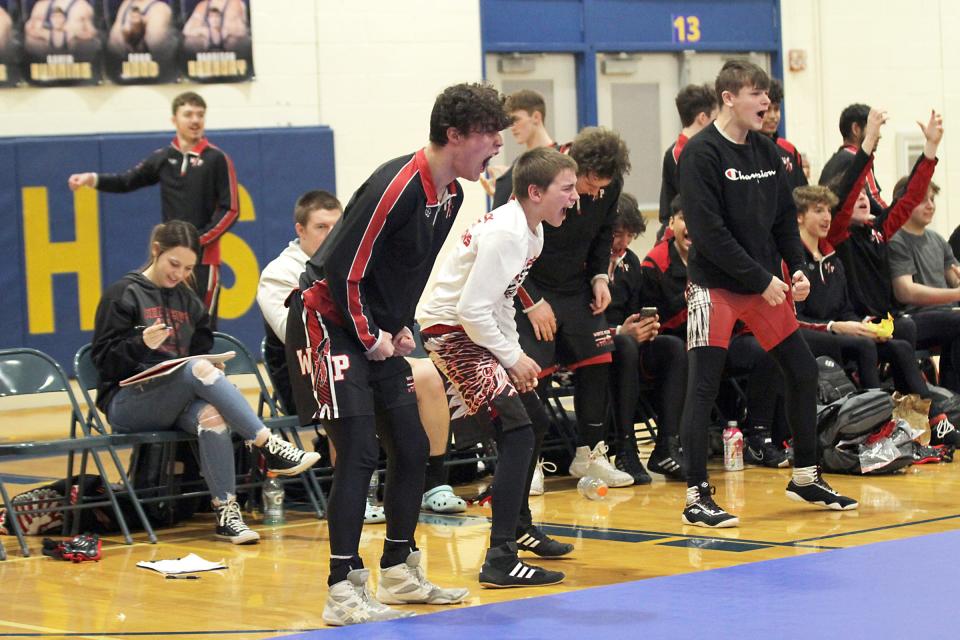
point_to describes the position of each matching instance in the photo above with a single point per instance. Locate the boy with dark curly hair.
(360, 291)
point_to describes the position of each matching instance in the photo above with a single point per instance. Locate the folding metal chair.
(26, 372)
(267, 409)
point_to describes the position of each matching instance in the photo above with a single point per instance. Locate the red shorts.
(711, 314)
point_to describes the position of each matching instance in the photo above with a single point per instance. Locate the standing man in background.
(197, 184)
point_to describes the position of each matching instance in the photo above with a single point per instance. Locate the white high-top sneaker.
(536, 485)
(406, 583)
(349, 602)
(601, 467)
(581, 460)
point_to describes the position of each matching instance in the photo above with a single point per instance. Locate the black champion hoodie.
(118, 350)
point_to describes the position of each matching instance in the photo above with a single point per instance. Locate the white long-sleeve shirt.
(476, 283)
(278, 279)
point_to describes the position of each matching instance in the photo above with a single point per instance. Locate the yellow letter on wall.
(236, 300)
(45, 258)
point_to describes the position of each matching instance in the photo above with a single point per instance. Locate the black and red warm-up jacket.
(370, 272)
(829, 298)
(663, 285)
(668, 179)
(199, 187)
(792, 161)
(863, 247)
(839, 162)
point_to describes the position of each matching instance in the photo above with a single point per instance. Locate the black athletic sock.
(395, 552)
(340, 567)
(436, 472)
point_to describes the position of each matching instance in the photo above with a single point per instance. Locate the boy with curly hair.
(360, 291)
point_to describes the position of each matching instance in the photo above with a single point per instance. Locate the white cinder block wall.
(371, 68)
(901, 55)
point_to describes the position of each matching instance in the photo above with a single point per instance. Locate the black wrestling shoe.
(942, 431)
(820, 493)
(702, 511)
(535, 541)
(761, 451)
(667, 461)
(502, 569)
(628, 461)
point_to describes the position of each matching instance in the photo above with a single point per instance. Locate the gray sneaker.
(349, 602)
(407, 583)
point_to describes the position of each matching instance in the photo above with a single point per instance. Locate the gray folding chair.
(26, 372)
(267, 409)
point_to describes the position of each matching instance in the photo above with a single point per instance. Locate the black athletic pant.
(799, 370)
(591, 392)
(859, 349)
(942, 329)
(540, 422)
(358, 449)
(764, 390)
(510, 491)
(660, 363)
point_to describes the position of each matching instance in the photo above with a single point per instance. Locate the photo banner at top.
(85, 42)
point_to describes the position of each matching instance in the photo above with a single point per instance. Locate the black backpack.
(852, 416)
(832, 381)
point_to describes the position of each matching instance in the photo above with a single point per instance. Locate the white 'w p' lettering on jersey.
(477, 281)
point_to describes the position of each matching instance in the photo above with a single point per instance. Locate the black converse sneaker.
(284, 459)
(702, 511)
(820, 493)
(761, 451)
(502, 568)
(535, 541)
(230, 525)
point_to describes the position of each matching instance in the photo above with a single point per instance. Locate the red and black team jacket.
(371, 270)
(839, 162)
(199, 187)
(668, 180)
(792, 161)
(863, 248)
(829, 299)
(117, 348)
(577, 250)
(664, 282)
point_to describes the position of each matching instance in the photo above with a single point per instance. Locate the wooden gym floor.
(277, 588)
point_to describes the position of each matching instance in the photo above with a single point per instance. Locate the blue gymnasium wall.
(59, 250)
(588, 27)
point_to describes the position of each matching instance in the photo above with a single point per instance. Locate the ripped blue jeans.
(198, 399)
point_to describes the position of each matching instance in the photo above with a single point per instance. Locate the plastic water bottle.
(272, 500)
(592, 488)
(374, 487)
(732, 447)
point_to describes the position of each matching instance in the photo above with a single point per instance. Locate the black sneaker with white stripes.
(502, 569)
(667, 460)
(535, 541)
(820, 493)
(284, 459)
(702, 511)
